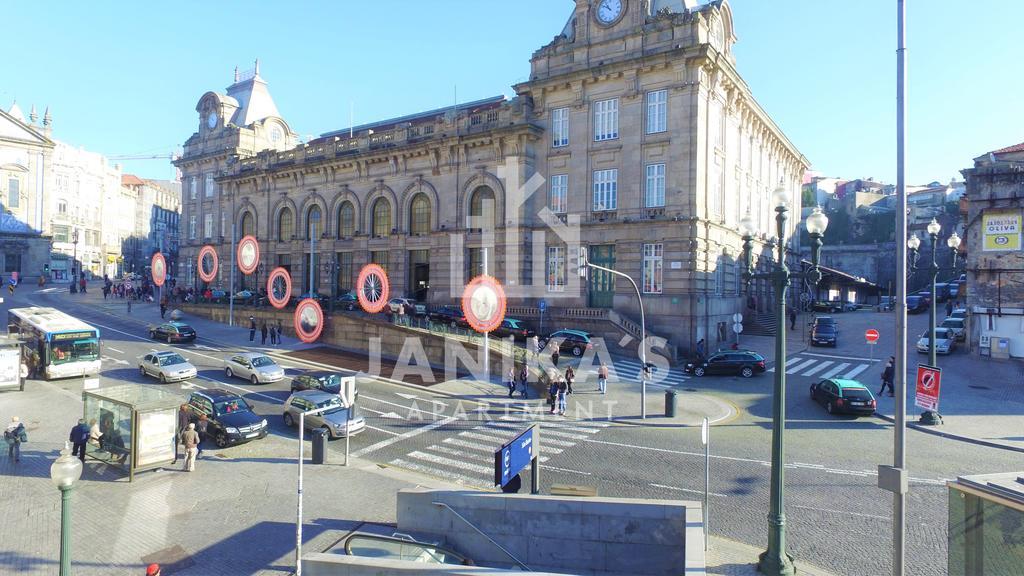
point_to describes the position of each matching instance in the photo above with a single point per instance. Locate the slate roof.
(9, 224)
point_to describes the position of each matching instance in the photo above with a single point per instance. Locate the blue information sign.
(542, 305)
(511, 458)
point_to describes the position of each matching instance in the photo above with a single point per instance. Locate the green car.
(843, 396)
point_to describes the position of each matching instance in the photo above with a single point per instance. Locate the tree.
(840, 228)
(877, 227)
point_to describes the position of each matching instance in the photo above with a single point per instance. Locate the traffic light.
(46, 268)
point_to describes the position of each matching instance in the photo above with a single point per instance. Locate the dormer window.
(276, 135)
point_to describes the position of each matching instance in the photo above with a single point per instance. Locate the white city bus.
(66, 345)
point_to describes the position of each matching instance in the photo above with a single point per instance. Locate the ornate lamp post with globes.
(931, 417)
(776, 560)
(64, 472)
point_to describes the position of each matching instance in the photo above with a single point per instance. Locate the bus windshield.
(77, 350)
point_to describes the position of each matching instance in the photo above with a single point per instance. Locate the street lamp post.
(931, 417)
(775, 560)
(74, 260)
(64, 472)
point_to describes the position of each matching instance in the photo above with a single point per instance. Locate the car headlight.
(263, 423)
(231, 430)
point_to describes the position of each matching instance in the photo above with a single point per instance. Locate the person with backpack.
(15, 436)
(79, 437)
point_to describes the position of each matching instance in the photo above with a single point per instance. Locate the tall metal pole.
(312, 250)
(932, 358)
(231, 289)
(899, 497)
(776, 560)
(65, 530)
(487, 341)
(298, 520)
(643, 338)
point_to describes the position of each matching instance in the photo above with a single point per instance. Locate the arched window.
(285, 225)
(381, 217)
(419, 214)
(346, 220)
(313, 226)
(482, 199)
(248, 224)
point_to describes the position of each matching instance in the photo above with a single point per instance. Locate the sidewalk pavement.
(730, 558)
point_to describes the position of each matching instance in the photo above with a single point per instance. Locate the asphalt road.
(837, 518)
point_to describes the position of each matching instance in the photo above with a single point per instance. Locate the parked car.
(514, 328)
(335, 419)
(944, 341)
(253, 366)
(322, 299)
(397, 304)
(956, 326)
(448, 314)
(172, 332)
(954, 290)
(230, 419)
(886, 304)
(827, 306)
(959, 313)
(927, 295)
(941, 291)
(347, 301)
(840, 395)
(574, 342)
(742, 362)
(916, 304)
(321, 380)
(166, 367)
(850, 307)
(824, 335)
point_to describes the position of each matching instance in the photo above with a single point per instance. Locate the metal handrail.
(480, 532)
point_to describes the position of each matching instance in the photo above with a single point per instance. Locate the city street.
(835, 512)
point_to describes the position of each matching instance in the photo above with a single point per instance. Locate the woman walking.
(511, 380)
(570, 375)
(563, 392)
(524, 381)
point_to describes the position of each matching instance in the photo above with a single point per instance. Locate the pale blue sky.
(124, 77)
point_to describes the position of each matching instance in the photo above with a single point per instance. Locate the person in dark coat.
(79, 437)
(887, 375)
(263, 333)
(570, 375)
(792, 318)
(700, 349)
(554, 357)
(183, 418)
(252, 329)
(524, 381)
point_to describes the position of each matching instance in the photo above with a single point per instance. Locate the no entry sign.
(928, 380)
(871, 336)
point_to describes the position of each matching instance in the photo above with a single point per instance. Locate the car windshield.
(231, 406)
(940, 334)
(825, 328)
(856, 394)
(74, 351)
(171, 360)
(334, 405)
(512, 324)
(330, 382)
(261, 361)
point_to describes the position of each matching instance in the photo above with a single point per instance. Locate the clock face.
(608, 11)
(211, 120)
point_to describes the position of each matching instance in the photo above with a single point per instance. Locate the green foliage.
(840, 228)
(877, 227)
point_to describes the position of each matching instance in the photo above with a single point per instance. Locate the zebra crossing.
(629, 371)
(824, 366)
(467, 458)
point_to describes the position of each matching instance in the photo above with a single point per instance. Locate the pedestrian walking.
(524, 381)
(190, 438)
(129, 301)
(153, 570)
(536, 344)
(554, 358)
(570, 375)
(252, 329)
(511, 380)
(602, 378)
(949, 307)
(78, 437)
(553, 392)
(201, 426)
(792, 318)
(81, 284)
(563, 392)
(263, 333)
(887, 376)
(273, 336)
(163, 306)
(15, 436)
(280, 336)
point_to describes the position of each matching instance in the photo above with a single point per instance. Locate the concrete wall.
(563, 534)
(339, 565)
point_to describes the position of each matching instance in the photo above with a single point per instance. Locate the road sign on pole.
(737, 327)
(929, 379)
(511, 458)
(871, 335)
(737, 318)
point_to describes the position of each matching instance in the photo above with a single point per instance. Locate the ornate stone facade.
(634, 137)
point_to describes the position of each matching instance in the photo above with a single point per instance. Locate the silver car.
(254, 367)
(335, 419)
(166, 366)
(956, 326)
(944, 342)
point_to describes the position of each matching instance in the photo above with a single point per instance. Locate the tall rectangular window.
(344, 272)
(208, 226)
(657, 111)
(223, 223)
(192, 227)
(652, 268)
(380, 258)
(654, 191)
(556, 268)
(560, 127)
(192, 186)
(209, 186)
(606, 189)
(559, 193)
(13, 192)
(606, 120)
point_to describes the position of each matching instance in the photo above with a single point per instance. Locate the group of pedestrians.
(191, 435)
(275, 332)
(518, 380)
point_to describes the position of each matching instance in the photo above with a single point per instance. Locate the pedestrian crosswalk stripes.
(819, 366)
(629, 371)
(467, 458)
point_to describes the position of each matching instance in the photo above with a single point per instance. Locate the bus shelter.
(10, 364)
(137, 425)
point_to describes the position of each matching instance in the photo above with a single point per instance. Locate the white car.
(396, 304)
(166, 366)
(956, 326)
(944, 341)
(254, 367)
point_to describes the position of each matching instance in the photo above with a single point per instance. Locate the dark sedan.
(450, 314)
(230, 419)
(730, 362)
(173, 332)
(840, 395)
(824, 335)
(514, 328)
